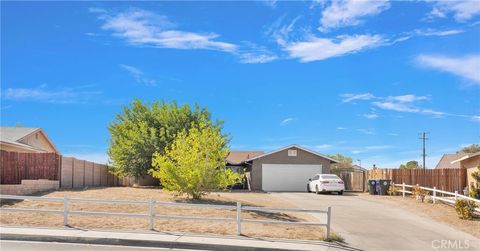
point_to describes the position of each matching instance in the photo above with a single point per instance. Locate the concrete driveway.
(371, 225)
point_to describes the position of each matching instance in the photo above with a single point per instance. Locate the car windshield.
(330, 177)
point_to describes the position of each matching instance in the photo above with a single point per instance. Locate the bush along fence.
(151, 215)
(436, 194)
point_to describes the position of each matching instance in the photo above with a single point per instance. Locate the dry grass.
(440, 212)
(124, 193)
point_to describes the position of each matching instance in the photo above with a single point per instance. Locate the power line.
(423, 137)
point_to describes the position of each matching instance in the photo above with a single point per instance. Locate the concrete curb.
(125, 242)
(161, 240)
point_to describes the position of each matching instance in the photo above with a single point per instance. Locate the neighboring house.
(26, 140)
(470, 162)
(285, 169)
(448, 160)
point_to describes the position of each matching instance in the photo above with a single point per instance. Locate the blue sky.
(358, 78)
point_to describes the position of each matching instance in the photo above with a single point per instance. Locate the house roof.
(467, 156)
(13, 136)
(296, 146)
(238, 157)
(448, 160)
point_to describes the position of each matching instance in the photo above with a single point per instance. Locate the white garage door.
(284, 177)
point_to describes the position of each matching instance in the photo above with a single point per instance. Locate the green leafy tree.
(412, 164)
(473, 148)
(344, 161)
(195, 163)
(141, 130)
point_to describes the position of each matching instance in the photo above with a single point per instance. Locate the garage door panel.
(285, 177)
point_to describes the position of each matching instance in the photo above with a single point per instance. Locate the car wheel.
(308, 188)
(316, 190)
(340, 192)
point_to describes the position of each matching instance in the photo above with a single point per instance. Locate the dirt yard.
(124, 193)
(440, 212)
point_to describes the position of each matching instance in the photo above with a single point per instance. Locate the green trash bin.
(372, 187)
(383, 185)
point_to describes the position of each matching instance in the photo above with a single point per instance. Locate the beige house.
(25, 140)
(470, 162)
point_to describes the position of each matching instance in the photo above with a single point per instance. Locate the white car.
(325, 183)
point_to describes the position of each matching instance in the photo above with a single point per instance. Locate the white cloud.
(287, 121)
(370, 115)
(145, 28)
(253, 58)
(349, 97)
(323, 147)
(463, 10)
(341, 128)
(475, 118)
(138, 75)
(67, 95)
(343, 13)
(466, 67)
(441, 33)
(316, 48)
(368, 131)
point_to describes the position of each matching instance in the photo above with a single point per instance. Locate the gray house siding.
(303, 157)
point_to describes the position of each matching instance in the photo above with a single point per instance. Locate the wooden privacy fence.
(451, 179)
(16, 167)
(354, 181)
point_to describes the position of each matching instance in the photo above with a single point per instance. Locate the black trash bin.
(383, 185)
(372, 187)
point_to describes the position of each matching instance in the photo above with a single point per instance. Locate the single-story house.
(284, 169)
(25, 140)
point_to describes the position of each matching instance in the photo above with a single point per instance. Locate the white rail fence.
(151, 215)
(437, 194)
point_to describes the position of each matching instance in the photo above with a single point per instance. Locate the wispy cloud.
(368, 131)
(138, 75)
(349, 97)
(341, 128)
(287, 121)
(315, 48)
(64, 95)
(144, 28)
(323, 147)
(441, 33)
(341, 13)
(408, 103)
(370, 115)
(466, 67)
(463, 10)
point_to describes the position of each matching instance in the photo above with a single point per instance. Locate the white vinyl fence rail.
(151, 216)
(437, 194)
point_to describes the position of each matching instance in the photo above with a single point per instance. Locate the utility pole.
(423, 137)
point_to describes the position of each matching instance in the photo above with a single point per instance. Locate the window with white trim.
(292, 153)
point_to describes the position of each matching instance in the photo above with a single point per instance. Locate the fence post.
(403, 189)
(65, 210)
(329, 216)
(456, 195)
(239, 218)
(151, 204)
(434, 194)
